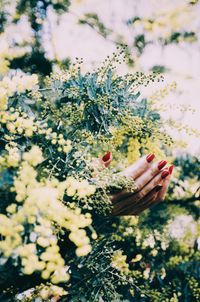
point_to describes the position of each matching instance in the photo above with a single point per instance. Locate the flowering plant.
(55, 221)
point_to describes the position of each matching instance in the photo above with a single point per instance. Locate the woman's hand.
(152, 182)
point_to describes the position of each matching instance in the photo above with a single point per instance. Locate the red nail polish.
(165, 173)
(171, 168)
(161, 164)
(106, 157)
(150, 157)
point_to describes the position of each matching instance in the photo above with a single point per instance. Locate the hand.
(152, 182)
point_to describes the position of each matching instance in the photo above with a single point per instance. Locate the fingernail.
(161, 164)
(158, 188)
(165, 173)
(150, 157)
(171, 168)
(106, 157)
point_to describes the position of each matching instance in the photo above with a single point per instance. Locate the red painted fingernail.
(150, 157)
(161, 164)
(106, 157)
(165, 173)
(171, 168)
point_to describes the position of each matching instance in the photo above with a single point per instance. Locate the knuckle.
(152, 172)
(141, 194)
(155, 182)
(138, 185)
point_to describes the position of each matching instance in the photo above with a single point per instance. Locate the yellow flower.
(42, 208)
(34, 156)
(83, 250)
(133, 150)
(119, 261)
(16, 84)
(13, 157)
(137, 258)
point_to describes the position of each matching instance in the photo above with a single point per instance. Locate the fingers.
(152, 193)
(153, 183)
(152, 198)
(139, 167)
(151, 171)
(134, 208)
(149, 174)
(149, 200)
(126, 205)
(162, 193)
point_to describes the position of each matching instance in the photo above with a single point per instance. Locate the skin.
(151, 188)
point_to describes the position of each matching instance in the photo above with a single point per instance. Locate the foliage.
(27, 53)
(58, 240)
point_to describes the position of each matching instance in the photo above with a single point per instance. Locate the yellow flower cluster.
(34, 157)
(137, 258)
(13, 157)
(51, 291)
(158, 96)
(62, 144)
(168, 21)
(148, 145)
(119, 262)
(18, 123)
(80, 188)
(118, 136)
(133, 150)
(43, 292)
(131, 126)
(42, 210)
(8, 53)
(17, 84)
(153, 146)
(131, 220)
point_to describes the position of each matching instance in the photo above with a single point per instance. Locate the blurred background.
(45, 36)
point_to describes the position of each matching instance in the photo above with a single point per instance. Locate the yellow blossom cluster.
(183, 128)
(34, 156)
(43, 292)
(131, 126)
(119, 261)
(167, 21)
(133, 150)
(159, 95)
(137, 258)
(153, 146)
(40, 208)
(51, 291)
(18, 123)
(8, 53)
(62, 144)
(131, 220)
(19, 83)
(80, 188)
(148, 146)
(12, 158)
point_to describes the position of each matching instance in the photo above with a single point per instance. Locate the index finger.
(139, 167)
(162, 193)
